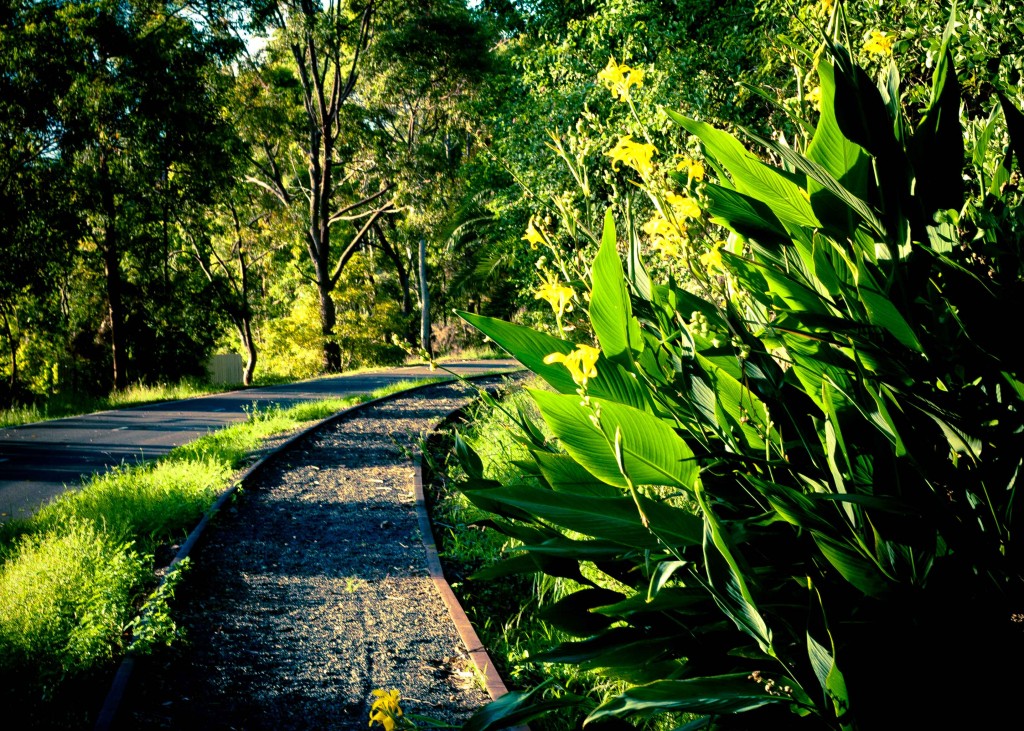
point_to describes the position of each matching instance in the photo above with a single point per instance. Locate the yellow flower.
(659, 228)
(386, 710)
(826, 5)
(665, 237)
(532, 235)
(683, 206)
(694, 169)
(879, 43)
(712, 259)
(581, 363)
(558, 295)
(619, 77)
(635, 154)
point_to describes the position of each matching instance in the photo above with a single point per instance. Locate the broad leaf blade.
(610, 311)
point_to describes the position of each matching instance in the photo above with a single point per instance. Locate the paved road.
(40, 461)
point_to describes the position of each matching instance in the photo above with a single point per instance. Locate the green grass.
(62, 405)
(74, 575)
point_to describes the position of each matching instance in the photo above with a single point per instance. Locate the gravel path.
(311, 591)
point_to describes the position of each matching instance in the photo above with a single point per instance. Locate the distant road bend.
(40, 461)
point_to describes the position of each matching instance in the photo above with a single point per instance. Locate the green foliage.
(804, 503)
(65, 600)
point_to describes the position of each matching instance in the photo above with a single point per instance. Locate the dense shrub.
(797, 475)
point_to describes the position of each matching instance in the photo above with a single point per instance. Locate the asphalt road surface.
(40, 461)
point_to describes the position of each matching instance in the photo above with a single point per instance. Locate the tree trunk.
(403, 273)
(245, 333)
(12, 346)
(112, 268)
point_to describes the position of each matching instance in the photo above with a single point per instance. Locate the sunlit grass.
(63, 405)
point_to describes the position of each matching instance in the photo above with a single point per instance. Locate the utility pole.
(425, 299)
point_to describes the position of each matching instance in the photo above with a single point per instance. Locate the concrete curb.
(112, 703)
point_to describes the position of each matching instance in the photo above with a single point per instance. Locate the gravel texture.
(311, 591)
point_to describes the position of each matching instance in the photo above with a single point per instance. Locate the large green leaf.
(827, 194)
(654, 454)
(615, 647)
(769, 185)
(564, 473)
(883, 313)
(938, 145)
(734, 693)
(530, 347)
(730, 578)
(610, 311)
(613, 519)
(744, 215)
(742, 407)
(853, 565)
(515, 708)
(843, 160)
(575, 613)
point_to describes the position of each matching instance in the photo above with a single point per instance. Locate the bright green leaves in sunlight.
(790, 455)
(652, 452)
(610, 311)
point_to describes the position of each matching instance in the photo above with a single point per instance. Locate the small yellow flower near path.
(638, 155)
(386, 710)
(619, 78)
(879, 43)
(581, 363)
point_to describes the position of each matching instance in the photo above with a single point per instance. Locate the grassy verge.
(62, 405)
(74, 576)
(511, 613)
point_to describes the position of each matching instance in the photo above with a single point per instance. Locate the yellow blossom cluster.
(668, 232)
(879, 43)
(556, 294)
(711, 260)
(581, 363)
(386, 710)
(619, 78)
(637, 155)
(694, 169)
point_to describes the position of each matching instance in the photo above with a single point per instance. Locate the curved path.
(311, 591)
(40, 461)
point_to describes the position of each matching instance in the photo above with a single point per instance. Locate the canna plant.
(790, 499)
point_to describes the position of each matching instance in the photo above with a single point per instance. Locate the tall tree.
(324, 43)
(146, 137)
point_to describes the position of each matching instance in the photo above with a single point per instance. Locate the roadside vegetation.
(58, 406)
(75, 575)
(771, 477)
